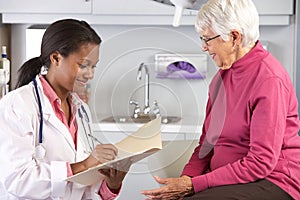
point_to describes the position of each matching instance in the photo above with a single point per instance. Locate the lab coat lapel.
(56, 123)
(50, 117)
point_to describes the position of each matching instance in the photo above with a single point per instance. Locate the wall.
(125, 47)
(5, 35)
(18, 51)
(122, 51)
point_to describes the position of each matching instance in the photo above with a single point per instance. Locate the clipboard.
(137, 146)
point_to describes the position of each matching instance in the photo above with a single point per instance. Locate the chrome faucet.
(136, 110)
(139, 77)
(146, 111)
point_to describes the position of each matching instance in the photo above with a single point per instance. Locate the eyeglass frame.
(205, 41)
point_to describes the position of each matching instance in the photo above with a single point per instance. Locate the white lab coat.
(22, 175)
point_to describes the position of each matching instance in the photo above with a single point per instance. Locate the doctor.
(40, 142)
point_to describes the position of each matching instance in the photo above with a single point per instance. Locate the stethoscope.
(40, 151)
(85, 120)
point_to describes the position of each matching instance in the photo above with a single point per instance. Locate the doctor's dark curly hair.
(65, 36)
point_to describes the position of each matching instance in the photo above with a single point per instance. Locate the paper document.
(141, 144)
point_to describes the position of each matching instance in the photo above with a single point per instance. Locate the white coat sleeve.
(22, 175)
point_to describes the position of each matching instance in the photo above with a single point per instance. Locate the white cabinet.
(167, 162)
(275, 12)
(137, 179)
(178, 141)
(125, 12)
(131, 7)
(46, 7)
(274, 7)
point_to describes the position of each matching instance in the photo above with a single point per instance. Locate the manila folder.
(137, 146)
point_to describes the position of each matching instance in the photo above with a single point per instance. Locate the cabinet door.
(274, 7)
(137, 179)
(53, 6)
(150, 7)
(131, 7)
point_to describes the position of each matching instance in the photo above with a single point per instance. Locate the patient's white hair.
(223, 16)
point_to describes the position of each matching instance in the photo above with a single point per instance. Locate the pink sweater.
(251, 127)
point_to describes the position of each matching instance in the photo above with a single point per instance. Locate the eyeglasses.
(205, 41)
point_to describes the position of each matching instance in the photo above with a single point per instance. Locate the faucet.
(139, 77)
(155, 109)
(136, 110)
(146, 111)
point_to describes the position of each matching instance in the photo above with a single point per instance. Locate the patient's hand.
(174, 188)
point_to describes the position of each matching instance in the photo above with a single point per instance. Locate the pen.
(94, 138)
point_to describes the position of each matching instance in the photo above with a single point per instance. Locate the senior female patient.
(249, 147)
(40, 143)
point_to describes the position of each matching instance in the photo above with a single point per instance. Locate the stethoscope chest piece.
(40, 152)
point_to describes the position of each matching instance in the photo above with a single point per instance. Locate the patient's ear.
(236, 37)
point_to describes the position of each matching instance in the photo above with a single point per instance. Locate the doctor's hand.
(101, 154)
(104, 153)
(174, 188)
(115, 174)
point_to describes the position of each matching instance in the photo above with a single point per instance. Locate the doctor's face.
(78, 67)
(87, 64)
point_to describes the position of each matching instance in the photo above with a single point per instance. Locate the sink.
(143, 119)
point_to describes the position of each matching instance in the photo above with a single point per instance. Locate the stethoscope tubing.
(79, 113)
(84, 127)
(41, 111)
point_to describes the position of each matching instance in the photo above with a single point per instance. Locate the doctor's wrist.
(78, 167)
(84, 165)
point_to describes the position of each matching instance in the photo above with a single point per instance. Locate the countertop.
(188, 128)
